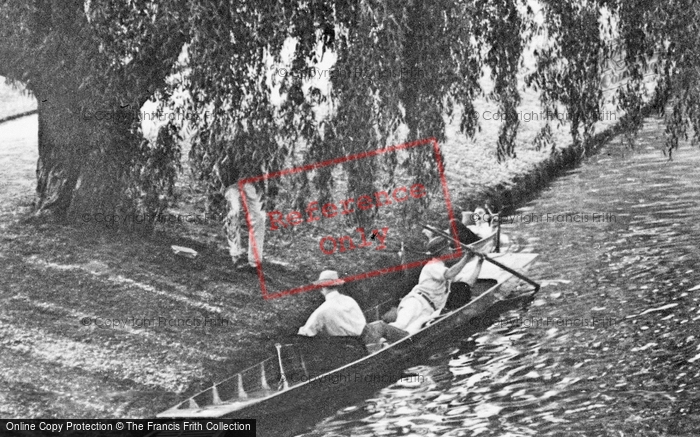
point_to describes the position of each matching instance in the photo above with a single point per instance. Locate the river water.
(611, 345)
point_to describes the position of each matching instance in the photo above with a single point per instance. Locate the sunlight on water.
(610, 347)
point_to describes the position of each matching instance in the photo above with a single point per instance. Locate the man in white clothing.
(230, 172)
(339, 315)
(233, 227)
(430, 294)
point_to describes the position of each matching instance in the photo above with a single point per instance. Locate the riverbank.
(14, 104)
(516, 188)
(98, 325)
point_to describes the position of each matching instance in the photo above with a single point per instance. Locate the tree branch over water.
(396, 63)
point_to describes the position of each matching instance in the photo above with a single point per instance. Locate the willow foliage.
(658, 42)
(397, 63)
(668, 33)
(568, 68)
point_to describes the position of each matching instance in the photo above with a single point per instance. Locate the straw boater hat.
(329, 278)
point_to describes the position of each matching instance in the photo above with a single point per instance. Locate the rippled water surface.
(611, 346)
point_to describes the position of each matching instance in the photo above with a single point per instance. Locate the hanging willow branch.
(414, 63)
(568, 70)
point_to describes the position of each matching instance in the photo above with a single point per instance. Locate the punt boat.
(310, 374)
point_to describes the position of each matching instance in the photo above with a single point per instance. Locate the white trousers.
(413, 311)
(232, 224)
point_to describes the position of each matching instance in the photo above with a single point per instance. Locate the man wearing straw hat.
(339, 315)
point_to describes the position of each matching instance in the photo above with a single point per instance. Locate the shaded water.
(611, 346)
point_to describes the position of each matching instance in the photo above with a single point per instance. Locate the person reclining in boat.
(425, 300)
(339, 315)
(464, 234)
(430, 294)
(487, 223)
(482, 226)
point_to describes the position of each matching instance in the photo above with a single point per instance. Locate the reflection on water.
(612, 344)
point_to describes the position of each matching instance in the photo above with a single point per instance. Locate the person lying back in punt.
(430, 294)
(464, 234)
(427, 298)
(482, 226)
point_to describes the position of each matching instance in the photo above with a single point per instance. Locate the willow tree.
(670, 31)
(569, 70)
(91, 66)
(397, 63)
(569, 66)
(505, 34)
(102, 56)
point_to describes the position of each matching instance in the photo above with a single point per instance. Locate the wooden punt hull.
(378, 369)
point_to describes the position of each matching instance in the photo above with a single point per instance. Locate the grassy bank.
(95, 324)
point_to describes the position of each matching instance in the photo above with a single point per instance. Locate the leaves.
(396, 63)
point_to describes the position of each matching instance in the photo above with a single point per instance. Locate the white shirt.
(432, 283)
(338, 315)
(483, 230)
(467, 270)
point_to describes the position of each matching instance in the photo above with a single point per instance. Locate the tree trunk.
(95, 170)
(84, 168)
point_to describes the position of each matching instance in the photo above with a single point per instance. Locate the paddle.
(492, 261)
